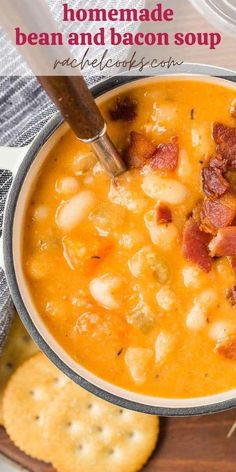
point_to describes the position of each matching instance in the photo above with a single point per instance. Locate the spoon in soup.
(70, 93)
(77, 105)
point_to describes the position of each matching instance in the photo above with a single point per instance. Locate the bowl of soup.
(129, 284)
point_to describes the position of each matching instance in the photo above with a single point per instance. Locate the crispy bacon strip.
(216, 214)
(163, 214)
(224, 243)
(216, 162)
(124, 109)
(166, 156)
(214, 184)
(225, 138)
(195, 245)
(231, 295)
(140, 150)
(227, 347)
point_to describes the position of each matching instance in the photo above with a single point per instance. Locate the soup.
(135, 276)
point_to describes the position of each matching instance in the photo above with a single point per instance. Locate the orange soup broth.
(94, 336)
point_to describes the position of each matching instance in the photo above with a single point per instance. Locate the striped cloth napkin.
(24, 109)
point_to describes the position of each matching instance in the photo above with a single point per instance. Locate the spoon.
(70, 94)
(77, 105)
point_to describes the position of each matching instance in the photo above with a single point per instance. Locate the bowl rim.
(43, 136)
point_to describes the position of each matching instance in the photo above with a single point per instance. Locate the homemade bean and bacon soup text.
(135, 277)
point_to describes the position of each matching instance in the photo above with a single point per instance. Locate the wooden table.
(185, 445)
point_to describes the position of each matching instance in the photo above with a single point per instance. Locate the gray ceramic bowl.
(13, 224)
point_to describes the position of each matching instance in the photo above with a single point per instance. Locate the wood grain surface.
(197, 444)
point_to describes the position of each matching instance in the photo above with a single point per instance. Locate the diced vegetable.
(107, 218)
(138, 361)
(141, 317)
(146, 261)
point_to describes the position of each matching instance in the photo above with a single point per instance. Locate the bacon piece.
(124, 109)
(166, 156)
(227, 347)
(224, 243)
(140, 150)
(195, 245)
(218, 131)
(225, 138)
(216, 162)
(163, 214)
(214, 184)
(231, 295)
(215, 215)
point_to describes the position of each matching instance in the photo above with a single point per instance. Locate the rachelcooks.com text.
(103, 63)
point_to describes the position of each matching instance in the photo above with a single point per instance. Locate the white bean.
(164, 235)
(196, 318)
(84, 163)
(166, 298)
(102, 290)
(67, 185)
(163, 189)
(73, 211)
(207, 299)
(41, 212)
(192, 277)
(185, 168)
(220, 329)
(137, 360)
(163, 346)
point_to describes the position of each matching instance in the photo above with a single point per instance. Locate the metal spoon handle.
(76, 103)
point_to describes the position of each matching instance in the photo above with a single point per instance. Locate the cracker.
(19, 347)
(27, 397)
(85, 433)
